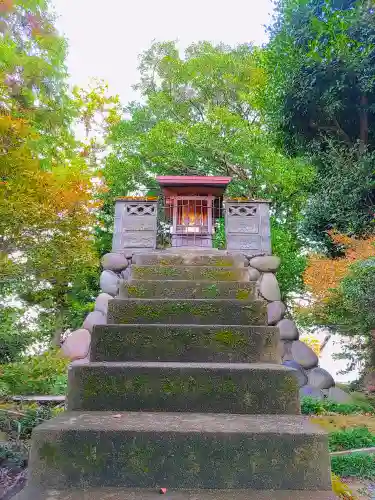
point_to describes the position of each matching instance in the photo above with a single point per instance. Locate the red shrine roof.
(193, 180)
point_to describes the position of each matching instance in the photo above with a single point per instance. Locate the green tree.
(201, 114)
(320, 101)
(47, 195)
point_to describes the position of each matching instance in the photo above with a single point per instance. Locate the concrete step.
(183, 387)
(191, 273)
(189, 259)
(153, 494)
(179, 451)
(218, 343)
(187, 311)
(175, 289)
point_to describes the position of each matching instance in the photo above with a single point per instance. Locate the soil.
(11, 482)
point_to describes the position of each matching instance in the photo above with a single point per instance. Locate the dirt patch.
(362, 489)
(12, 481)
(336, 422)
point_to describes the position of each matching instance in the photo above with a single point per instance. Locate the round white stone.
(286, 350)
(254, 274)
(338, 395)
(275, 312)
(320, 378)
(101, 303)
(266, 264)
(288, 329)
(109, 282)
(94, 318)
(77, 344)
(269, 287)
(304, 355)
(114, 262)
(311, 392)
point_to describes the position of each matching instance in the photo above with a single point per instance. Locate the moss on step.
(178, 289)
(189, 388)
(184, 342)
(205, 312)
(189, 273)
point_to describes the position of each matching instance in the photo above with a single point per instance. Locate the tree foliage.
(320, 101)
(47, 194)
(324, 274)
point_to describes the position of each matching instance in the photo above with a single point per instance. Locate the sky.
(106, 36)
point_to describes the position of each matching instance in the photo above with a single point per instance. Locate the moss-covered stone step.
(189, 258)
(194, 273)
(176, 289)
(186, 312)
(154, 494)
(228, 343)
(183, 387)
(147, 450)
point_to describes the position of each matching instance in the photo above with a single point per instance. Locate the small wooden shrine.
(193, 203)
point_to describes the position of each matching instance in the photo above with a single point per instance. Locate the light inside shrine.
(193, 204)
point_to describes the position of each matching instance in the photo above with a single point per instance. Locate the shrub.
(347, 408)
(312, 406)
(13, 454)
(44, 374)
(356, 465)
(18, 423)
(350, 439)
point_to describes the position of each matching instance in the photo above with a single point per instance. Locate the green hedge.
(312, 406)
(351, 439)
(356, 465)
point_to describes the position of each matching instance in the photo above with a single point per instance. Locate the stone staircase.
(184, 391)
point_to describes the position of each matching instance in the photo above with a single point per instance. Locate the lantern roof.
(193, 180)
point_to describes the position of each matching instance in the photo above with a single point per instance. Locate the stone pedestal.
(135, 225)
(247, 226)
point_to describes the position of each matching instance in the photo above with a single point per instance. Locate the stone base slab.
(153, 494)
(186, 289)
(195, 273)
(189, 258)
(186, 343)
(242, 388)
(180, 451)
(187, 312)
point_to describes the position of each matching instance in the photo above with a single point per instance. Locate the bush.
(13, 454)
(347, 408)
(351, 439)
(18, 422)
(356, 465)
(219, 239)
(45, 374)
(312, 406)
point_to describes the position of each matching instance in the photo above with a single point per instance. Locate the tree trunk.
(363, 123)
(59, 328)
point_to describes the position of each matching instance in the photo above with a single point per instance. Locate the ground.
(362, 489)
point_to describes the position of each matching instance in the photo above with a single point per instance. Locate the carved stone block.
(247, 226)
(135, 225)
